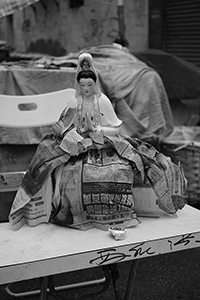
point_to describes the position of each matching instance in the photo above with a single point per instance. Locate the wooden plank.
(9, 184)
(6, 200)
(10, 181)
(16, 157)
(14, 161)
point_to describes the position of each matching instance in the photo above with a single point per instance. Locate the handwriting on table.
(112, 254)
(143, 249)
(108, 255)
(184, 240)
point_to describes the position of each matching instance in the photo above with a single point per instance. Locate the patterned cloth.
(167, 179)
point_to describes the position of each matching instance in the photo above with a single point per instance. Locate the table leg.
(52, 289)
(44, 285)
(115, 276)
(131, 279)
(48, 283)
(106, 284)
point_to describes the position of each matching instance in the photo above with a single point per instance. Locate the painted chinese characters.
(145, 249)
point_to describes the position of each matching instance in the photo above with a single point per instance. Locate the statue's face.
(87, 86)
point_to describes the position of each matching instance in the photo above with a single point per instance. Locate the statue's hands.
(90, 125)
(84, 127)
(87, 124)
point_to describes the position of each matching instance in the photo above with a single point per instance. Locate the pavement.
(174, 276)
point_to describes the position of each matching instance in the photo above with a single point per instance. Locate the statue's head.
(86, 70)
(86, 74)
(85, 61)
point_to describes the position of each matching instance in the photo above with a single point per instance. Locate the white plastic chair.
(35, 111)
(29, 111)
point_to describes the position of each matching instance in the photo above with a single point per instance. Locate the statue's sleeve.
(65, 122)
(110, 123)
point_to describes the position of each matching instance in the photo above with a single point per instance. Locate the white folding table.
(48, 249)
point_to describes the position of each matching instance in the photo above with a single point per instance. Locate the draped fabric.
(8, 7)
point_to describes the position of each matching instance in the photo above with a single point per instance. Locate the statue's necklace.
(88, 106)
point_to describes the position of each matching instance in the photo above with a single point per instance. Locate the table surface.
(50, 249)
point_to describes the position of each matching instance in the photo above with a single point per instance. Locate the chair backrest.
(33, 110)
